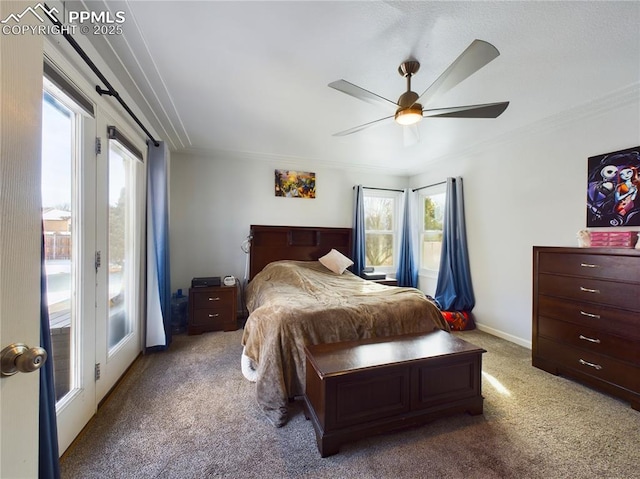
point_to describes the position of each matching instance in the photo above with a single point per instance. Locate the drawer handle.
(217, 314)
(589, 290)
(591, 365)
(591, 340)
(590, 315)
(589, 265)
(214, 299)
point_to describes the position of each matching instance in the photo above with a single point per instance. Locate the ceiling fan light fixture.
(409, 116)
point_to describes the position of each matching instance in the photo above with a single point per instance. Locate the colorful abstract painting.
(295, 184)
(612, 189)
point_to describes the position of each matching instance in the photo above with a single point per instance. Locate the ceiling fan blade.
(477, 55)
(361, 94)
(488, 110)
(362, 127)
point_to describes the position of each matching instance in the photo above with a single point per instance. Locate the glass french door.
(93, 219)
(121, 250)
(68, 214)
(120, 233)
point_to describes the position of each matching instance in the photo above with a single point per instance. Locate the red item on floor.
(459, 320)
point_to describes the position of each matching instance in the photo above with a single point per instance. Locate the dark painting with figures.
(612, 189)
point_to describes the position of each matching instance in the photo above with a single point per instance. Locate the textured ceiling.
(250, 78)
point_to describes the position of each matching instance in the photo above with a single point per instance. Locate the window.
(432, 203)
(60, 125)
(123, 253)
(381, 228)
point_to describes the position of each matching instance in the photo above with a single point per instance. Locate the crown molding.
(287, 160)
(613, 101)
(592, 109)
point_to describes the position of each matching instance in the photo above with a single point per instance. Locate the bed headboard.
(304, 243)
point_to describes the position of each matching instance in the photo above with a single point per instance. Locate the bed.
(293, 301)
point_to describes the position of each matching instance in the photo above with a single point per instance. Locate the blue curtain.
(158, 272)
(48, 465)
(454, 291)
(407, 273)
(358, 255)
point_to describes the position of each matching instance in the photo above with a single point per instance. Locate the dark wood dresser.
(212, 309)
(586, 317)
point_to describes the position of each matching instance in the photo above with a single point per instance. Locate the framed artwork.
(612, 189)
(295, 184)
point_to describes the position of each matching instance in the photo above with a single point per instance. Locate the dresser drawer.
(621, 295)
(590, 339)
(588, 363)
(213, 298)
(595, 316)
(590, 265)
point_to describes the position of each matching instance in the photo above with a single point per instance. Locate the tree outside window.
(117, 222)
(379, 212)
(433, 217)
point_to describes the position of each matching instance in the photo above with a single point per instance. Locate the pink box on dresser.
(616, 239)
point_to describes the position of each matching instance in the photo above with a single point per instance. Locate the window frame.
(396, 196)
(429, 192)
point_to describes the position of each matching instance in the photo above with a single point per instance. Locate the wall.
(521, 190)
(530, 189)
(214, 200)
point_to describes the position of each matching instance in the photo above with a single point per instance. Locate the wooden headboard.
(304, 243)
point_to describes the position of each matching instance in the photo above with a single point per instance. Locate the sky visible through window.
(57, 121)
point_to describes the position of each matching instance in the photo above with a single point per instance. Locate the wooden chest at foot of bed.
(359, 388)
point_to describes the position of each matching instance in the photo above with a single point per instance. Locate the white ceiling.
(250, 78)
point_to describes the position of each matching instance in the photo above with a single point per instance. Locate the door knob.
(19, 357)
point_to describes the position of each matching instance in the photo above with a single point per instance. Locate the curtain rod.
(110, 90)
(380, 189)
(429, 186)
(415, 189)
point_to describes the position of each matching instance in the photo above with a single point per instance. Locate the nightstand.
(388, 281)
(212, 309)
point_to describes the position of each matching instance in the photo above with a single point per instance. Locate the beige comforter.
(293, 303)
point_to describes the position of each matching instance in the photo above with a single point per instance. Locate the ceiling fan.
(409, 109)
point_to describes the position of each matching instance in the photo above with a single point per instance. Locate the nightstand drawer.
(218, 318)
(213, 298)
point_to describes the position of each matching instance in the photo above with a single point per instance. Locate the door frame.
(20, 239)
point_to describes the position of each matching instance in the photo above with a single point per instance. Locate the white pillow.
(335, 261)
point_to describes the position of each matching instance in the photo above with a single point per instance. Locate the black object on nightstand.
(379, 278)
(373, 276)
(205, 282)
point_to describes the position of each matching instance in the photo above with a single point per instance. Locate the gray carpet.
(189, 413)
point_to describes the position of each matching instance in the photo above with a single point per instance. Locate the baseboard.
(509, 337)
